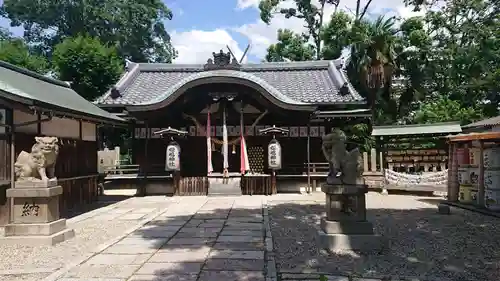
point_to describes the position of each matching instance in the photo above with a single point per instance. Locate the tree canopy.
(135, 27)
(91, 67)
(86, 42)
(16, 52)
(443, 66)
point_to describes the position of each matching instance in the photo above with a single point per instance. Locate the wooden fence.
(258, 185)
(191, 186)
(78, 191)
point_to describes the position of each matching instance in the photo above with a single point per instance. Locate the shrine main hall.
(265, 122)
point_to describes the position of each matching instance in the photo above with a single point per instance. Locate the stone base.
(35, 234)
(347, 227)
(35, 229)
(364, 243)
(42, 240)
(35, 183)
(444, 209)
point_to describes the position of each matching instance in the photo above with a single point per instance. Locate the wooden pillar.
(145, 163)
(453, 188)
(381, 160)
(480, 184)
(309, 156)
(383, 154)
(133, 144)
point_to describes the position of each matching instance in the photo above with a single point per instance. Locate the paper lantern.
(173, 157)
(274, 155)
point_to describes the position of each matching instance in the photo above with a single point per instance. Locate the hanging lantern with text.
(274, 155)
(173, 157)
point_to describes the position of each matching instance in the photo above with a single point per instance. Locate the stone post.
(373, 159)
(35, 218)
(345, 226)
(365, 161)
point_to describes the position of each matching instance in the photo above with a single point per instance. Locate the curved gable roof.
(289, 83)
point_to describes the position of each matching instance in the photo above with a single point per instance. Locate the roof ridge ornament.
(222, 60)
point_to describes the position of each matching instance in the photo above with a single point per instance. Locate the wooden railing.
(191, 185)
(78, 191)
(258, 185)
(300, 170)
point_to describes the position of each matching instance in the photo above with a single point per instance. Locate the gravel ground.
(24, 277)
(462, 246)
(89, 233)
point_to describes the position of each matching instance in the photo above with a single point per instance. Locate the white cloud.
(262, 35)
(244, 4)
(196, 46)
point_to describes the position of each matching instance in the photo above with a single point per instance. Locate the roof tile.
(302, 82)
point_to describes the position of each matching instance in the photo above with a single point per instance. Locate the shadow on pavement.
(423, 244)
(102, 201)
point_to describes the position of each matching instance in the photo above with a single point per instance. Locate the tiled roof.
(31, 88)
(490, 122)
(417, 129)
(294, 83)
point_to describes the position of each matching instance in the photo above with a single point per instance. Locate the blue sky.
(200, 27)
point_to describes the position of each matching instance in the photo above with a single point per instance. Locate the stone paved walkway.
(184, 239)
(199, 239)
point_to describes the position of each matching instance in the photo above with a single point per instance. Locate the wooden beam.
(480, 193)
(475, 136)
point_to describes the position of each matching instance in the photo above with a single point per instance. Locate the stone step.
(219, 188)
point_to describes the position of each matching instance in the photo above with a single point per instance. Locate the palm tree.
(372, 51)
(372, 60)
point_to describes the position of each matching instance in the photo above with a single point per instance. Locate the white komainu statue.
(39, 164)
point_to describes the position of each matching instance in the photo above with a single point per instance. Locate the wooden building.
(305, 98)
(33, 105)
(415, 157)
(474, 173)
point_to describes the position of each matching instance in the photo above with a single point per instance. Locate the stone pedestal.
(345, 226)
(35, 216)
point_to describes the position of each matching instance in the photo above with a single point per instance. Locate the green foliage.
(136, 27)
(445, 110)
(304, 9)
(16, 52)
(5, 34)
(291, 47)
(335, 35)
(90, 66)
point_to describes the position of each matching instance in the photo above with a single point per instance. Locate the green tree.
(291, 47)
(336, 35)
(5, 34)
(413, 48)
(445, 110)
(312, 14)
(90, 66)
(135, 27)
(465, 59)
(15, 51)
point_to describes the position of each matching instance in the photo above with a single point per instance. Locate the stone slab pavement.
(196, 239)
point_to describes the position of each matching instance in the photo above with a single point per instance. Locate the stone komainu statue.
(345, 166)
(39, 164)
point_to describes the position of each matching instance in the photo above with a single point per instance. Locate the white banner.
(431, 178)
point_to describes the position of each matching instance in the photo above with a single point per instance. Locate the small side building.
(34, 105)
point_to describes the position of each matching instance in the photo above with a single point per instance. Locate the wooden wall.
(76, 167)
(194, 151)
